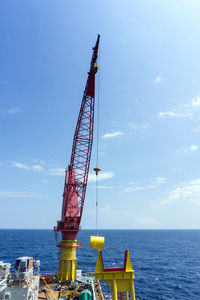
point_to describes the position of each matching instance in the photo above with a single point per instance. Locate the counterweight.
(76, 176)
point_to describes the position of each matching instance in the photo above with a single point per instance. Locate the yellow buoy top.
(97, 242)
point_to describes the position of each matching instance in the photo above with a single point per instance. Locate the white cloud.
(91, 176)
(184, 149)
(193, 147)
(26, 167)
(159, 180)
(20, 165)
(57, 171)
(159, 79)
(61, 172)
(39, 161)
(112, 135)
(164, 114)
(14, 110)
(37, 168)
(101, 176)
(147, 221)
(189, 110)
(40, 168)
(18, 194)
(138, 127)
(3, 81)
(189, 191)
(196, 101)
(156, 182)
(10, 111)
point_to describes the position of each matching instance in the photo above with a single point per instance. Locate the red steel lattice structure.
(76, 175)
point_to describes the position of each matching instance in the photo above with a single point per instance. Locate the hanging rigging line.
(97, 169)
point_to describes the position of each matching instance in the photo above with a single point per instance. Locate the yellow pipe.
(68, 261)
(48, 287)
(114, 290)
(132, 291)
(100, 291)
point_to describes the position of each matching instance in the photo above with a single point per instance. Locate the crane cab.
(24, 268)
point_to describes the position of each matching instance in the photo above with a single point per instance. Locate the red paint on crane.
(76, 175)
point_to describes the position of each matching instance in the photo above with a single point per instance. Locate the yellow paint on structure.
(119, 279)
(97, 242)
(68, 261)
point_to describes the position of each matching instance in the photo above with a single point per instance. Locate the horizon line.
(105, 229)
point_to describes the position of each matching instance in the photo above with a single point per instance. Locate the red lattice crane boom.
(76, 175)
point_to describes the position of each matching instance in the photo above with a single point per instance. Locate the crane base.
(68, 261)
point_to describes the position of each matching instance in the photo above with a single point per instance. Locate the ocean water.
(166, 262)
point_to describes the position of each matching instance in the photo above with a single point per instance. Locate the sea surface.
(166, 262)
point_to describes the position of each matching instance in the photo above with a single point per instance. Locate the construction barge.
(26, 284)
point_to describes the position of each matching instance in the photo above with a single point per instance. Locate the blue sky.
(149, 147)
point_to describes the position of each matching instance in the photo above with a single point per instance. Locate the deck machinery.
(76, 177)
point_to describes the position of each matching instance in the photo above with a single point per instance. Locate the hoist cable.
(97, 157)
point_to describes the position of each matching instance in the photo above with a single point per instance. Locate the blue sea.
(166, 262)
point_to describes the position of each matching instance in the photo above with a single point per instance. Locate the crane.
(76, 177)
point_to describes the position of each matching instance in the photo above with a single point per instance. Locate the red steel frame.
(77, 173)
